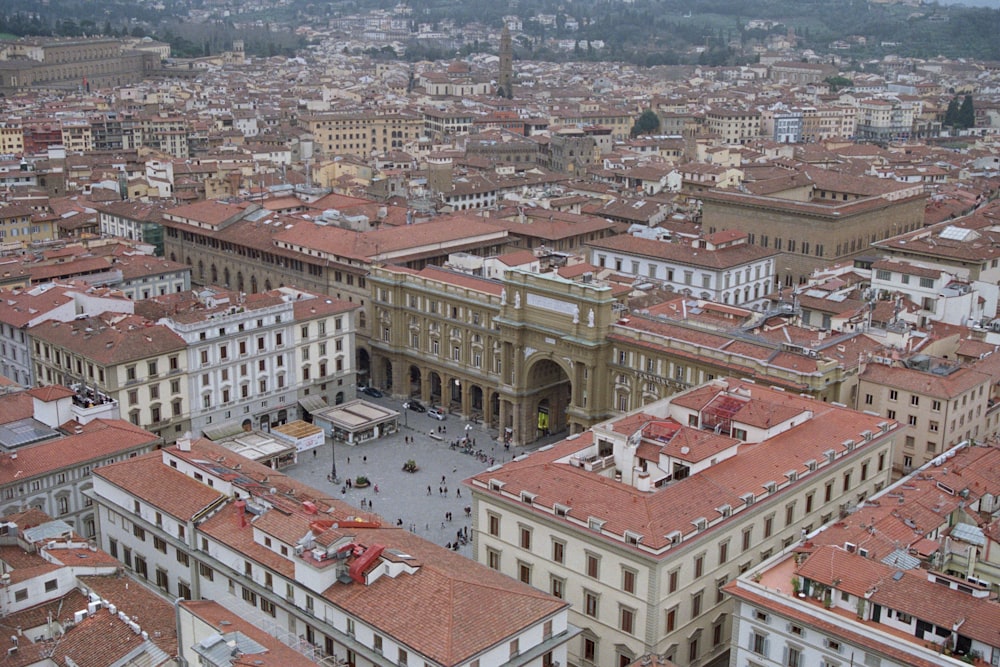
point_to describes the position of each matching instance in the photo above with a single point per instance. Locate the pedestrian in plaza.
(458, 493)
(376, 489)
(446, 491)
(364, 459)
(350, 483)
(442, 479)
(428, 489)
(314, 453)
(348, 460)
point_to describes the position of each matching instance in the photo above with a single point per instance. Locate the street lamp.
(333, 460)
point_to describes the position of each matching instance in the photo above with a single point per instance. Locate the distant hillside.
(645, 32)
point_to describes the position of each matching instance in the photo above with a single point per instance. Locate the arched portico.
(543, 408)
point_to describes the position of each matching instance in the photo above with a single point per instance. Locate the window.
(493, 558)
(696, 604)
(494, 521)
(268, 607)
(626, 619)
(589, 649)
(526, 538)
(671, 619)
(699, 566)
(747, 538)
(558, 551)
(768, 526)
(21, 595)
(893, 395)
(672, 581)
(206, 572)
(160, 544)
(558, 587)
(793, 656)
(51, 585)
(828, 492)
(628, 580)
(593, 565)
(590, 600)
(524, 572)
(759, 644)
(724, 552)
(377, 643)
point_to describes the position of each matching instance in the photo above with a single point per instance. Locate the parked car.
(372, 391)
(415, 405)
(436, 413)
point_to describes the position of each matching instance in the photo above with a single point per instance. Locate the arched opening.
(364, 365)
(215, 275)
(253, 284)
(239, 281)
(456, 395)
(494, 420)
(225, 277)
(267, 285)
(416, 382)
(551, 397)
(476, 399)
(388, 373)
(435, 382)
(339, 398)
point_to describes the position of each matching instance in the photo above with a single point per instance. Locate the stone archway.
(551, 394)
(476, 399)
(364, 366)
(415, 387)
(388, 373)
(434, 380)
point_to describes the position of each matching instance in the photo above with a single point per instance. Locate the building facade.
(198, 522)
(640, 522)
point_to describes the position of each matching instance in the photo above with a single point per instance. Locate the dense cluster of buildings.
(768, 334)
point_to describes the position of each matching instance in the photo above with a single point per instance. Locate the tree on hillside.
(647, 123)
(966, 114)
(838, 82)
(951, 115)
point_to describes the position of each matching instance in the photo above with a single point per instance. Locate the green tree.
(647, 123)
(951, 115)
(838, 82)
(966, 113)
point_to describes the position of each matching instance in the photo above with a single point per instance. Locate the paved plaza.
(402, 495)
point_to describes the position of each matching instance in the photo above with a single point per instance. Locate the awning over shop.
(221, 431)
(312, 403)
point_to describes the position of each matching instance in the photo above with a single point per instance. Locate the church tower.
(505, 82)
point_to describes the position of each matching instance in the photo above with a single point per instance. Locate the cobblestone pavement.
(401, 495)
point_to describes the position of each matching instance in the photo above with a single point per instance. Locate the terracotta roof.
(682, 253)
(160, 486)
(674, 507)
(99, 440)
(222, 619)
